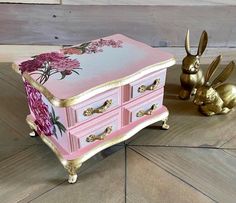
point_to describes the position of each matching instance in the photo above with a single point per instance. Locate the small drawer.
(96, 130)
(94, 107)
(142, 107)
(144, 85)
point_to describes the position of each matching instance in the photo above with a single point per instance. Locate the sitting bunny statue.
(216, 97)
(192, 76)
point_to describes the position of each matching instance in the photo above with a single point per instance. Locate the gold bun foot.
(32, 134)
(165, 126)
(72, 178)
(72, 167)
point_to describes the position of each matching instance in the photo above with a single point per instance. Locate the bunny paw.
(210, 113)
(225, 110)
(206, 111)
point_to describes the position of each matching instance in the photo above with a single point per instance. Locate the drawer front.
(94, 107)
(95, 131)
(142, 107)
(145, 85)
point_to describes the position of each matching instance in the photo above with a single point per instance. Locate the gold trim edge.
(84, 157)
(97, 89)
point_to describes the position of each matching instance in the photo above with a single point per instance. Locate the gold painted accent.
(95, 90)
(102, 109)
(70, 165)
(165, 126)
(144, 88)
(73, 165)
(192, 76)
(92, 138)
(142, 113)
(216, 98)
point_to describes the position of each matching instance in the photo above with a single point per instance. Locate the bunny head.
(191, 63)
(207, 93)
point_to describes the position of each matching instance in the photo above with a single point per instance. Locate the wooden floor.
(194, 161)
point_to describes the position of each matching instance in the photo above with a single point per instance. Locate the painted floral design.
(47, 122)
(48, 64)
(92, 47)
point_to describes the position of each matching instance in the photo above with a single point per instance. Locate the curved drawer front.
(144, 106)
(145, 85)
(95, 131)
(94, 107)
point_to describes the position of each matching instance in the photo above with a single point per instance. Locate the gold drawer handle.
(154, 86)
(103, 108)
(142, 113)
(92, 138)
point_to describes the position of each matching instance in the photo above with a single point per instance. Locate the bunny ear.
(212, 68)
(187, 43)
(224, 74)
(202, 43)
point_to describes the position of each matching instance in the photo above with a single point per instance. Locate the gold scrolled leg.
(165, 126)
(72, 167)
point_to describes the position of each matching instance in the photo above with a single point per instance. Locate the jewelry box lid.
(73, 74)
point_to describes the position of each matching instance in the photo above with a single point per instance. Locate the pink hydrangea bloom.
(38, 61)
(39, 109)
(65, 65)
(96, 46)
(30, 65)
(50, 57)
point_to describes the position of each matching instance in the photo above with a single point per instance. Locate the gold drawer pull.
(142, 113)
(154, 86)
(92, 138)
(103, 108)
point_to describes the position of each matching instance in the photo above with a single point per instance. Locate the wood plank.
(211, 171)
(9, 76)
(13, 109)
(146, 182)
(150, 2)
(231, 152)
(231, 144)
(11, 141)
(10, 53)
(104, 182)
(30, 172)
(35, 171)
(187, 125)
(31, 1)
(13, 105)
(70, 24)
(228, 54)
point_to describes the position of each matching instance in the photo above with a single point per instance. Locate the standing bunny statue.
(192, 77)
(216, 98)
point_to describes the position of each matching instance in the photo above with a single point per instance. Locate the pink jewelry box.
(90, 96)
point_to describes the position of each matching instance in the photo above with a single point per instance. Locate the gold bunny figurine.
(216, 98)
(192, 77)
